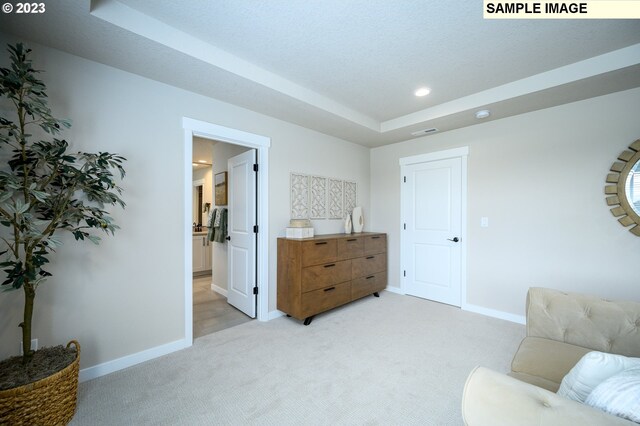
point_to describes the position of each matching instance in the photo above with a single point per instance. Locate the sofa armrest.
(494, 399)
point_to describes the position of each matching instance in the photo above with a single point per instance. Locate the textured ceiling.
(348, 68)
(372, 55)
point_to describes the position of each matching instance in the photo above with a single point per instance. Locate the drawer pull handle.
(370, 257)
(352, 239)
(331, 265)
(321, 243)
(375, 238)
(329, 289)
(372, 276)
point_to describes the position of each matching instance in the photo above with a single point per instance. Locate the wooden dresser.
(320, 273)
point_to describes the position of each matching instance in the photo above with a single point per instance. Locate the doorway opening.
(231, 141)
(215, 303)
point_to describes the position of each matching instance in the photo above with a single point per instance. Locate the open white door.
(242, 238)
(432, 226)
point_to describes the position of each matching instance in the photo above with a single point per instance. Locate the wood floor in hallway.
(211, 312)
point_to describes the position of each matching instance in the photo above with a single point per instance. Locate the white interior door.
(242, 238)
(432, 225)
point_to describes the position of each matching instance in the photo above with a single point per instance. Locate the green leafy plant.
(43, 187)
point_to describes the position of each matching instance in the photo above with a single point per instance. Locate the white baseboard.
(396, 290)
(520, 319)
(275, 314)
(130, 360)
(219, 290)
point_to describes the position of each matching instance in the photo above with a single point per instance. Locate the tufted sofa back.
(584, 320)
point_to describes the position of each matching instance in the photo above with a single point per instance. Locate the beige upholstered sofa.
(561, 328)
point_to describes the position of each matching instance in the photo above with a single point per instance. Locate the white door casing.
(242, 238)
(433, 193)
(202, 129)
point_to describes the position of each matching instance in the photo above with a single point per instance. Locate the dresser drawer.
(319, 251)
(350, 247)
(320, 276)
(314, 302)
(367, 285)
(369, 265)
(375, 244)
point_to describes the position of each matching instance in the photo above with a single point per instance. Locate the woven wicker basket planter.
(49, 401)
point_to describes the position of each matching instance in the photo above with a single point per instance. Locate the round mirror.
(632, 187)
(624, 188)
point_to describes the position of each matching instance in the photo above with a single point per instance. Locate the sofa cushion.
(619, 395)
(547, 359)
(593, 369)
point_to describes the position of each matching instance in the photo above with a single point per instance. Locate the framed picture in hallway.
(220, 184)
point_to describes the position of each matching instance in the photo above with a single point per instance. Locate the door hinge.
(404, 273)
(255, 229)
(405, 179)
(255, 167)
(255, 290)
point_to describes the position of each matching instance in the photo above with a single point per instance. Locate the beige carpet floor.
(393, 360)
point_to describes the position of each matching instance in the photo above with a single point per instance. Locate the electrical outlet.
(34, 346)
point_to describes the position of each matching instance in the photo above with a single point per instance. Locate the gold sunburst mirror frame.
(623, 184)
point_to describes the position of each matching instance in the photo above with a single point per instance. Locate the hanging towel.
(210, 222)
(216, 221)
(220, 230)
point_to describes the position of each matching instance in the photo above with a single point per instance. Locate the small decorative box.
(298, 233)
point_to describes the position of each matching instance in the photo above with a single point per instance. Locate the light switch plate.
(484, 222)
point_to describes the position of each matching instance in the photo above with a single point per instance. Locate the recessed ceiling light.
(195, 164)
(202, 161)
(483, 113)
(423, 91)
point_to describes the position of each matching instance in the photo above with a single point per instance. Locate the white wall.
(539, 178)
(127, 295)
(221, 154)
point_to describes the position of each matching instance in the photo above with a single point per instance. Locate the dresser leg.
(288, 316)
(376, 294)
(308, 320)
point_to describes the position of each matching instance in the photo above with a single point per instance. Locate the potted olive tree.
(44, 189)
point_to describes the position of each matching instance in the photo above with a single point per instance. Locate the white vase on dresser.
(348, 226)
(357, 219)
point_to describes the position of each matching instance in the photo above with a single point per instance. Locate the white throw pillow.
(593, 369)
(619, 395)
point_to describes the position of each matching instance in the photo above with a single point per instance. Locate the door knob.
(455, 239)
(228, 238)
